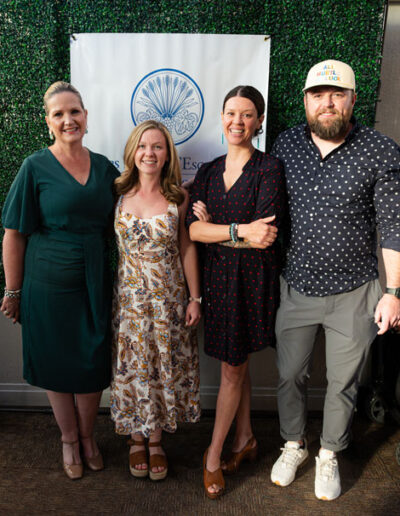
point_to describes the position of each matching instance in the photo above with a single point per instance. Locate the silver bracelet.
(13, 294)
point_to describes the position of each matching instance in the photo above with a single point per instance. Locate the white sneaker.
(327, 479)
(284, 469)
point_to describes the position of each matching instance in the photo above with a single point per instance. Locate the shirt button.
(224, 196)
(321, 164)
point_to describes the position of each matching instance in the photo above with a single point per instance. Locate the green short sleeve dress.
(66, 294)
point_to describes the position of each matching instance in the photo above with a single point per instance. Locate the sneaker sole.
(325, 499)
(276, 482)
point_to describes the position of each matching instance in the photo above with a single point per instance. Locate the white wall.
(15, 392)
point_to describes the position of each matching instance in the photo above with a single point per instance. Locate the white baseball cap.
(331, 73)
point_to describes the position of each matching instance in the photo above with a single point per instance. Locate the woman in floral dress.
(155, 357)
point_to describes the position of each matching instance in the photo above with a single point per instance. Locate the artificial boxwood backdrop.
(34, 52)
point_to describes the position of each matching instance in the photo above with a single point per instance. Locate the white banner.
(178, 79)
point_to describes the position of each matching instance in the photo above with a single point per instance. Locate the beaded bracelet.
(13, 294)
(233, 232)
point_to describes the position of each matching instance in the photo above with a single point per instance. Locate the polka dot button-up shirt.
(335, 204)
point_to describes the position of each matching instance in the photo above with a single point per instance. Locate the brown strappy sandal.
(136, 458)
(157, 461)
(212, 477)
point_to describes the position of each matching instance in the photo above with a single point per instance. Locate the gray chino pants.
(348, 321)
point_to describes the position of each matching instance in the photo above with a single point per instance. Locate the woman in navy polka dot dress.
(237, 203)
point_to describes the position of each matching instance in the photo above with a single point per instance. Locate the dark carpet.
(32, 481)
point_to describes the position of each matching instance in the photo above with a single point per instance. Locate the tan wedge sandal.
(136, 458)
(157, 460)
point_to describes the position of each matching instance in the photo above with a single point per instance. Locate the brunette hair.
(60, 87)
(170, 175)
(251, 93)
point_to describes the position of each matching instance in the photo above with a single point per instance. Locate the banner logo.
(171, 97)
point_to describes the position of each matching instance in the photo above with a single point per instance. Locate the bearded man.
(343, 180)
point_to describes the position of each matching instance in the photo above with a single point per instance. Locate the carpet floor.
(32, 481)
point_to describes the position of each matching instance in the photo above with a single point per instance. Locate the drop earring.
(86, 130)
(222, 138)
(51, 135)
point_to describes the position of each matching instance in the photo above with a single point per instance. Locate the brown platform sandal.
(212, 477)
(157, 460)
(139, 457)
(94, 463)
(248, 452)
(73, 471)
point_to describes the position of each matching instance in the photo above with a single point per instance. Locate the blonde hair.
(60, 87)
(170, 179)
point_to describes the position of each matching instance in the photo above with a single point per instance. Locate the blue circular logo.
(172, 98)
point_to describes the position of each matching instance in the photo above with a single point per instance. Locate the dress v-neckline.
(226, 191)
(70, 175)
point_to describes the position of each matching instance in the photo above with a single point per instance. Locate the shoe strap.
(133, 442)
(154, 443)
(139, 457)
(157, 460)
(212, 477)
(250, 444)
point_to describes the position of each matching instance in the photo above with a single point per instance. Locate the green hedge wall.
(34, 52)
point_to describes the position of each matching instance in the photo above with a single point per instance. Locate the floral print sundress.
(155, 371)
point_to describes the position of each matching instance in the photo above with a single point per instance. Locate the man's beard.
(337, 128)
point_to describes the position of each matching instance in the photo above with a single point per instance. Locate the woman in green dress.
(56, 218)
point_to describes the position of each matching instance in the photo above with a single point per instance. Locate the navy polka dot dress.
(240, 286)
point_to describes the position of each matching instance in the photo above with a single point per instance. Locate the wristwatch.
(394, 291)
(198, 299)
